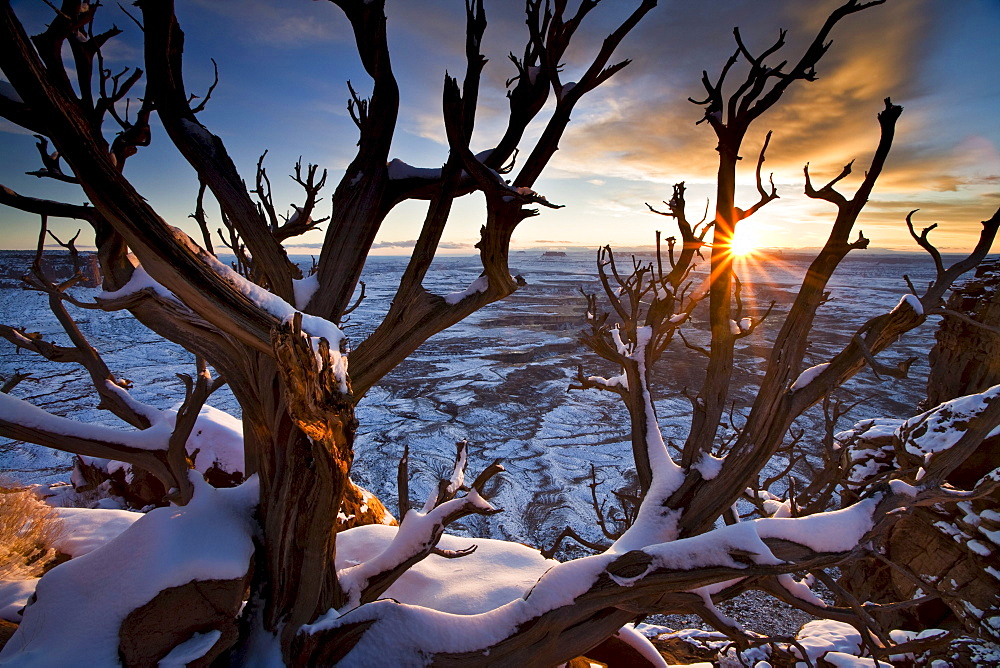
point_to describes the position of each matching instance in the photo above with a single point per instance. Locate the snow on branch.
(808, 376)
(651, 306)
(911, 301)
(8, 92)
(208, 436)
(419, 533)
(327, 340)
(571, 592)
(477, 286)
(399, 170)
(618, 384)
(139, 282)
(20, 414)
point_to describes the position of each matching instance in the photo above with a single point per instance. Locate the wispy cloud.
(280, 24)
(648, 130)
(283, 67)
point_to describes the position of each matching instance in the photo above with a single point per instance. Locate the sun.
(744, 242)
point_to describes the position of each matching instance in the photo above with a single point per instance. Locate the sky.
(284, 64)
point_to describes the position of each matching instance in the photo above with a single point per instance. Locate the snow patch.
(200, 134)
(708, 466)
(979, 548)
(14, 595)
(808, 376)
(621, 380)
(8, 91)
(481, 284)
(911, 301)
(640, 643)
(941, 427)
(901, 487)
(86, 529)
(497, 573)
(800, 590)
(217, 439)
(81, 604)
(190, 650)
(566, 89)
(304, 289)
(822, 636)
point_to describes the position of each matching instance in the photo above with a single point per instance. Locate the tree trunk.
(711, 403)
(299, 431)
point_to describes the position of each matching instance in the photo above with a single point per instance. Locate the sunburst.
(744, 243)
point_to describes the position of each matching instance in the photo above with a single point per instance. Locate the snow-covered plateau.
(498, 379)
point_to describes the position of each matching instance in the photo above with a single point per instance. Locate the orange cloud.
(643, 129)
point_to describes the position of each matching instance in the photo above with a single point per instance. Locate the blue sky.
(284, 65)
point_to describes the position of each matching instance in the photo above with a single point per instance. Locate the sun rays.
(760, 269)
(744, 243)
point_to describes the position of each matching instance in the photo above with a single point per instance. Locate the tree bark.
(304, 452)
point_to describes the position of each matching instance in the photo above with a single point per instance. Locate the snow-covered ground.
(123, 566)
(498, 379)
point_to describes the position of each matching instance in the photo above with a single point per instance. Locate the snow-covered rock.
(80, 605)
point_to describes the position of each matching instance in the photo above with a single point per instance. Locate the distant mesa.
(553, 254)
(56, 264)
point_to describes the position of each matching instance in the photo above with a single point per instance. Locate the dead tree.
(686, 492)
(285, 357)
(298, 414)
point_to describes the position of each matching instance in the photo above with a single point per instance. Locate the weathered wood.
(149, 632)
(305, 487)
(761, 436)
(151, 460)
(561, 633)
(297, 400)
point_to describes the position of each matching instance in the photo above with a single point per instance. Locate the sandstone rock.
(936, 546)
(360, 507)
(946, 550)
(966, 358)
